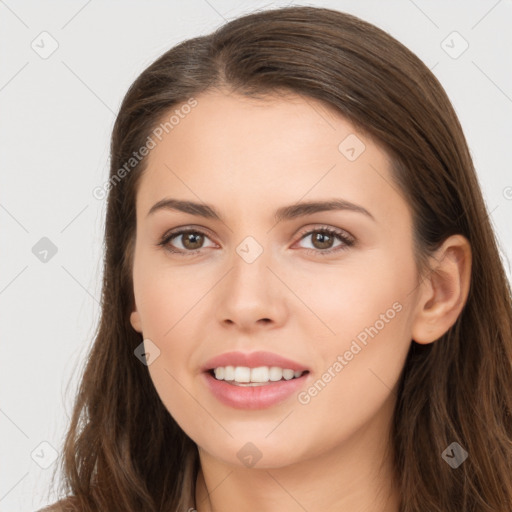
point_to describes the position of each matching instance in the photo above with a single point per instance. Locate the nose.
(250, 296)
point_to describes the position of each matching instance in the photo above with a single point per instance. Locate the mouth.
(236, 386)
(249, 377)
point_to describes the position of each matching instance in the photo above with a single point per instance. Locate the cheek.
(360, 331)
(345, 299)
(166, 295)
(169, 300)
(356, 379)
(356, 374)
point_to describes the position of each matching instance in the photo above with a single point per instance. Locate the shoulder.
(64, 505)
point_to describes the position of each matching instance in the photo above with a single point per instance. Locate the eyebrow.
(284, 213)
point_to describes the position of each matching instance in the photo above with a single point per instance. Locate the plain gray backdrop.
(65, 67)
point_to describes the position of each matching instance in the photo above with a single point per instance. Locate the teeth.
(242, 374)
(288, 374)
(261, 374)
(229, 373)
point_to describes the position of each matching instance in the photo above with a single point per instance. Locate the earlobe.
(135, 321)
(444, 290)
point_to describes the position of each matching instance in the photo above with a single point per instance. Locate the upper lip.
(252, 360)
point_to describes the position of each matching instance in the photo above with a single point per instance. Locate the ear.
(135, 321)
(444, 290)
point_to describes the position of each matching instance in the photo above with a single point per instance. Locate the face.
(330, 289)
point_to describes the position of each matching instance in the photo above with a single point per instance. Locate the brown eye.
(192, 240)
(322, 240)
(186, 241)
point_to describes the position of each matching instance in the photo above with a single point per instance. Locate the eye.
(323, 239)
(189, 241)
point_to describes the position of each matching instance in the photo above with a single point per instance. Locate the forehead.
(256, 150)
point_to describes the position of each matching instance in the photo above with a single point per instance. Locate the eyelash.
(341, 235)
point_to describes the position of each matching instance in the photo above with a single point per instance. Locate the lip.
(252, 360)
(253, 397)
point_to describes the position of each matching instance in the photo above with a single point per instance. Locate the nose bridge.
(251, 250)
(248, 295)
(249, 261)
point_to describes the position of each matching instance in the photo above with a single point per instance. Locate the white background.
(56, 118)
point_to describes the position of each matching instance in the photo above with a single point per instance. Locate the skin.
(247, 158)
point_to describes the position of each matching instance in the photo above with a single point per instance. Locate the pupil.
(193, 238)
(323, 239)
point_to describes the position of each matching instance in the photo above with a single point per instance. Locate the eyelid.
(347, 240)
(324, 227)
(182, 230)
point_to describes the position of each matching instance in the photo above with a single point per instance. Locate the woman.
(303, 304)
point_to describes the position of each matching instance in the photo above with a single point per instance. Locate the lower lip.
(253, 397)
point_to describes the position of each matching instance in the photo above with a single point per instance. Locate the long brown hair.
(124, 451)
